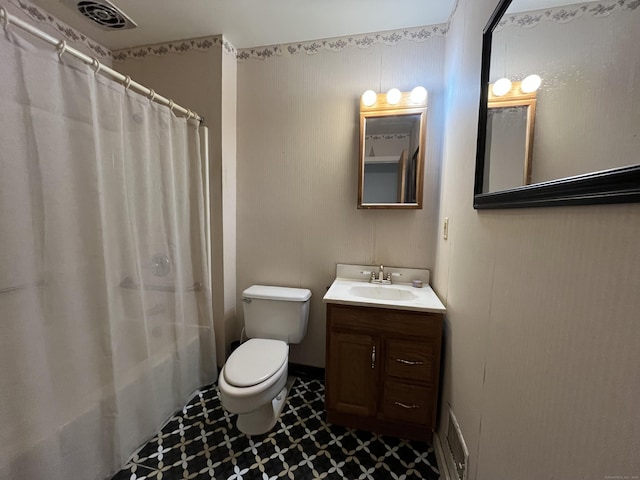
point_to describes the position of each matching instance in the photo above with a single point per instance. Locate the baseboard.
(443, 466)
(306, 371)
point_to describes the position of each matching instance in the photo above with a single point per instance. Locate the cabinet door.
(353, 373)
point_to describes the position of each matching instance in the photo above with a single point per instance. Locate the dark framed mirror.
(586, 146)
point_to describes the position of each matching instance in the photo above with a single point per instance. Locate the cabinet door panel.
(410, 360)
(353, 373)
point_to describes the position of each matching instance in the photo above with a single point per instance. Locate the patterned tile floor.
(202, 442)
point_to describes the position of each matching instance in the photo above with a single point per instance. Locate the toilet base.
(263, 419)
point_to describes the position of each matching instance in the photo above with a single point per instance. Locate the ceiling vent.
(103, 13)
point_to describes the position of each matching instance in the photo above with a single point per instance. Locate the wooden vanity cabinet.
(382, 369)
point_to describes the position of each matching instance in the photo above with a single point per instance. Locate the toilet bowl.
(253, 383)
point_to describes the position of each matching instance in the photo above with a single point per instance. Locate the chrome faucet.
(380, 278)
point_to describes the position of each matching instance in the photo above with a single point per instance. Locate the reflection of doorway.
(385, 179)
(506, 142)
(380, 182)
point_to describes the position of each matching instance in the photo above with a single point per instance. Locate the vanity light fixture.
(501, 87)
(393, 96)
(369, 98)
(418, 95)
(530, 84)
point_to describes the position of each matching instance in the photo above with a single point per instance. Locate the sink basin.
(351, 287)
(378, 292)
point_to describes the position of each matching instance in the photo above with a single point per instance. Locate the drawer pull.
(408, 362)
(373, 357)
(404, 405)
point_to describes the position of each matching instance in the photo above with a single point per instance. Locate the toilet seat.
(255, 361)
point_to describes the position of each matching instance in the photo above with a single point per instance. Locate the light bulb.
(393, 96)
(369, 98)
(530, 84)
(418, 95)
(501, 87)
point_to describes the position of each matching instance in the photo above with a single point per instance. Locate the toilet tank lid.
(287, 294)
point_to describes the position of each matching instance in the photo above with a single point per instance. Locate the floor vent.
(456, 451)
(103, 13)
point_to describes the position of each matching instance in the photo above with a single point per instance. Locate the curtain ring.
(152, 95)
(96, 65)
(189, 114)
(127, 82)
(62, 47)
(171, 105)
(4, 17)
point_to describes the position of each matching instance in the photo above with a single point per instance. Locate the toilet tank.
(279, 313)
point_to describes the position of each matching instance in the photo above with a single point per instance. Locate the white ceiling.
(251, 23)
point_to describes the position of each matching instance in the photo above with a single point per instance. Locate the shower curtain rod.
(7, 19)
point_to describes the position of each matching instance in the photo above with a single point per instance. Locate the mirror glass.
(509, 138)
(587, 115)
(391, 156)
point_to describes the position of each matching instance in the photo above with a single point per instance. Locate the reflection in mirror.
(391, 153)
(587, 125)
(510, 127)
(389, 164)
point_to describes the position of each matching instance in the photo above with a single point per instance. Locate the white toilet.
(253, 382)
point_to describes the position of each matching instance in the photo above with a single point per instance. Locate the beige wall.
(543, 318)
(197, 80)
(298, 125)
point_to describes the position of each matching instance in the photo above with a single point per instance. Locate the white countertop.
(425, 299)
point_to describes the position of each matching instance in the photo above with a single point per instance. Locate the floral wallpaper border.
(566, 14)
(391, 37)
(387, 136)
(69, 33)
(182, 46)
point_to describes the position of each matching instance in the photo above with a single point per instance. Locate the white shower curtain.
(105, 297)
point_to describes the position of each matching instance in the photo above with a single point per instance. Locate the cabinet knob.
(408, 362)
(404, 405)
(373, 357)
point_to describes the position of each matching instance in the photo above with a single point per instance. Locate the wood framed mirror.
(509, 139)
(587, 129)
(392, 146)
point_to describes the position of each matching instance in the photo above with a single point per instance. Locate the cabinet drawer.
(407, 403)
(411, 360)
(384, 321)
